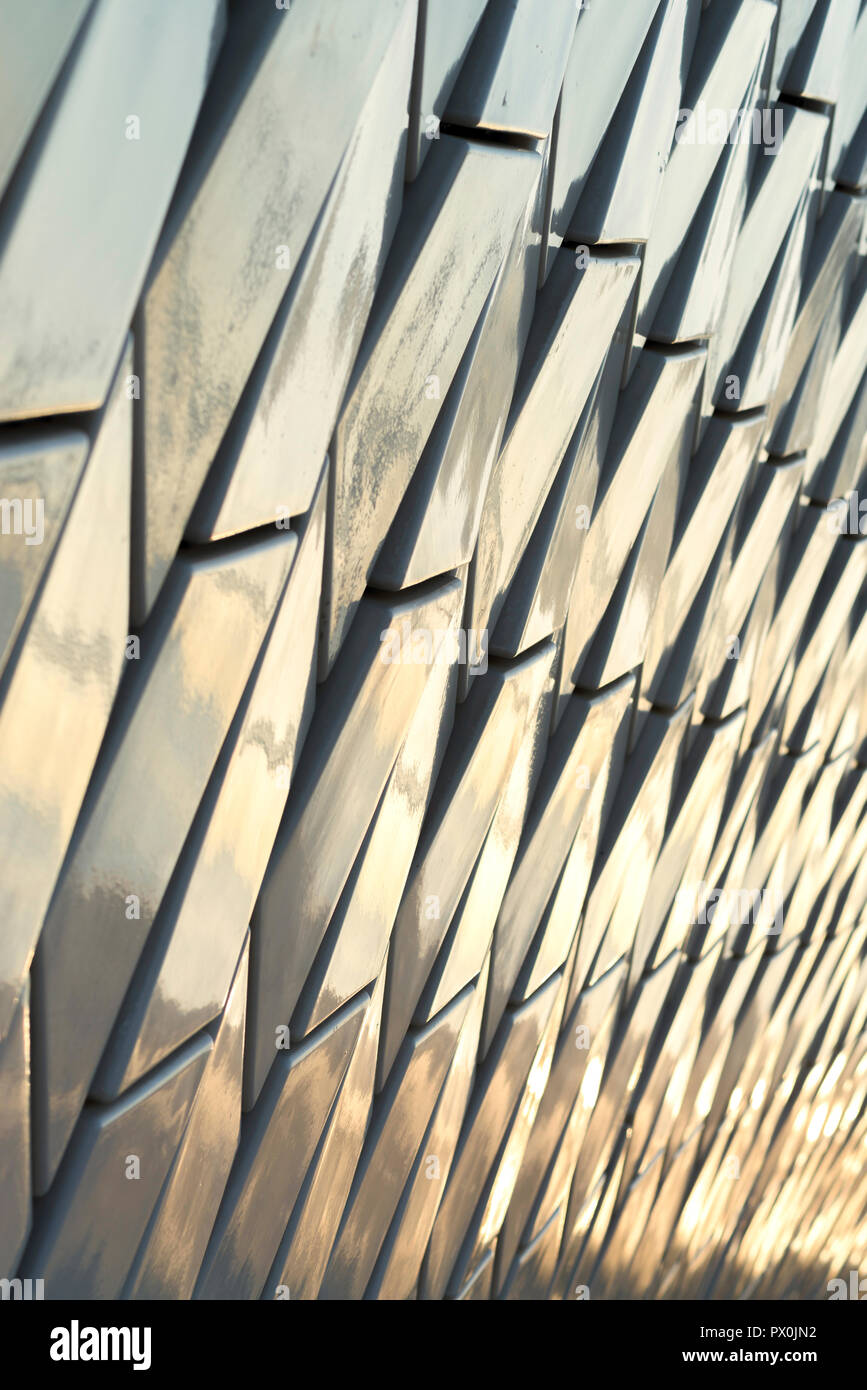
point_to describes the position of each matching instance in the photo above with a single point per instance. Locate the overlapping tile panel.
(433, 648)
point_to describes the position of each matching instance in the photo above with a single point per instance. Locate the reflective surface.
(433, 636)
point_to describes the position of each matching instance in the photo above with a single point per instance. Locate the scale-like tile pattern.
(433, 639)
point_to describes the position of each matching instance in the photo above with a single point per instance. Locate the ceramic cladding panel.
(433, 637)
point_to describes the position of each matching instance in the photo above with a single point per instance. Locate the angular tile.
(437, 523)
(211, 299)
(542, 905)
(445, 32)
(173, 712)
(713, 485)
(353, 951)
(619, 198)
(473, 925)
(630, 845)
(511, 76)
(370, 701)
(39, 471)
(545, 1175)
(172, 1249)
(609, 52)
(576, 306)
(496, 1095)
(400, 1259)
(655, 406)
(108, 182)
(183, 978)
(815, 66)
(290, 402)
(60, 690)
(538, 596)
(398, 1126)
(728, 54)
(278, 1141)
(482, 750)
(85, 1238)
(418, 331)
(34, 42)
(302, 1258)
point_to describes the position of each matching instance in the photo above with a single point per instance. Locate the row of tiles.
(426, 848)
(592, 1145)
